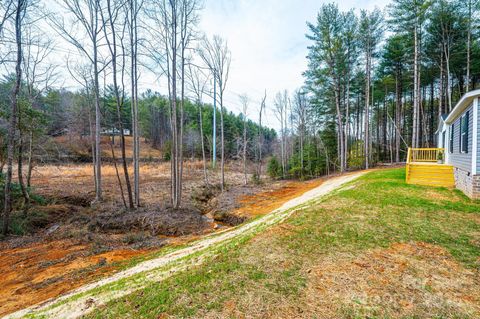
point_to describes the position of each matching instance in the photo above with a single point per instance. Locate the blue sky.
(268, 44)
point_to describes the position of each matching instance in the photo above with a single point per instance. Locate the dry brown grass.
(408, 279)
(83, 146)
(77, 180)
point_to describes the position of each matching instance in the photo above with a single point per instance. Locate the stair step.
(431, 175)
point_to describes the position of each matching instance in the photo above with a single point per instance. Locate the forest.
(377, 82)
(45, 122)
(119, 136)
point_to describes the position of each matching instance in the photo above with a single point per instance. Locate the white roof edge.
(462, 105)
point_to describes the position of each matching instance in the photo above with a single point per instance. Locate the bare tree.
(39, 74)
(175, 20)
(260, 136)
(300, 116)
(244, 100)
(163, 50)
(188, 21)
(85, 22)
(217, 57)
(281, 112)
(20, 11)
(112, 36)
(7, 11)
(198, 83)
(132, 12)
(82, 74)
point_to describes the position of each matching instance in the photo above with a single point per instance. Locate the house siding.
(477, 158)
(456, 158)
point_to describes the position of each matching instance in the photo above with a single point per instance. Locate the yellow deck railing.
(425, 154)
(422, 168)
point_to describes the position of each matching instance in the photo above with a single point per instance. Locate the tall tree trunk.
(200, 123)
(119, 105)
(182, 101)
(13, 117)
(347, 121)
(398, 110)
(117, 173)
(245, 148)
(432, 114)
(260, 139)
(92, 145)
(21, 182)
(282, 144)
(416, 92)
(30, 159)
(341, 138)
(367, 109)
(222, 137)
(134, 101)
(469, 41)
(98, 150)
(301, 152)
(441, 86)
(285, 118)
(385, 121)
(174, 115)
(449, 90)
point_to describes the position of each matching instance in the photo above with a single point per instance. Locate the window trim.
(451, 138)
(464, 131)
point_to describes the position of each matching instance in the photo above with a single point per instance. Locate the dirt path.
(40, 270)
(85, 299)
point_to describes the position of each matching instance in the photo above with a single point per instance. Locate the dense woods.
(377, 82)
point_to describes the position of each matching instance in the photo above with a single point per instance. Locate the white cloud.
(267, 40)
(268, 44)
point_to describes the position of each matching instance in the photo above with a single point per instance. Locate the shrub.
(167, 151)
(256, 179)
(274, 169)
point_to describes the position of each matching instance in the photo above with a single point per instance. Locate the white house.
(459, 134)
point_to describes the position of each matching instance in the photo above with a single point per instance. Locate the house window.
(452, 131)
(464, 133)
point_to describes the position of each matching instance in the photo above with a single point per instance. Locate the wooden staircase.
(422, 168)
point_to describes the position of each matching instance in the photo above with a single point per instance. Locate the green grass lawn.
(378, 248)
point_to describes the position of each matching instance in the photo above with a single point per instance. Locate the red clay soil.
(265, 202)
(41, 271)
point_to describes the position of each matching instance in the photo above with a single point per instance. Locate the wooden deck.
(423, 169)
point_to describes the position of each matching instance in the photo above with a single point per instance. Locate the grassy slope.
(338, 259)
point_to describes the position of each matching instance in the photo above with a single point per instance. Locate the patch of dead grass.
(404, 280)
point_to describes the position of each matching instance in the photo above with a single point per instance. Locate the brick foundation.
(467, 183)
(476, 187)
